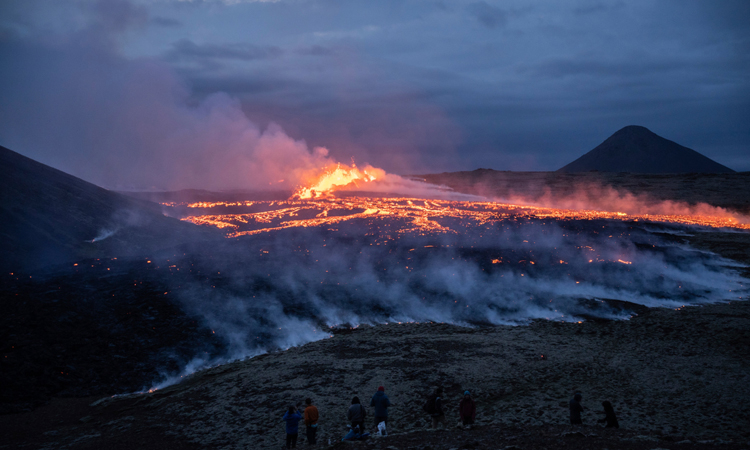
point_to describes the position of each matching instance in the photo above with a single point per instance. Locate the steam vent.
(636, 149)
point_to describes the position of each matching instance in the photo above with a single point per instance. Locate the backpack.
(429, 406)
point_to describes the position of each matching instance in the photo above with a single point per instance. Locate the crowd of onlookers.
(434, 407)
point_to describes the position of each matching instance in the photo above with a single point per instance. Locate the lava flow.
(410, 215)
(317, 205)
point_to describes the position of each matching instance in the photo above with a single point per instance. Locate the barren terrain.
(672, 375)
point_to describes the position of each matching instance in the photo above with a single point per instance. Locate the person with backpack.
(467, 410)
(311, 421)
(292, 418)
(356, 415)
(381, 403)
(434, 407)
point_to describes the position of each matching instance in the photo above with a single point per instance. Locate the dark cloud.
(409, 86)
(166, 22)
(488, 15)
(185, 49)
(644, 66)
(238, 85)
(597, 7)
(116, 16)
(316, 50)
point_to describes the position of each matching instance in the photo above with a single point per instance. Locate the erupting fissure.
(332, 178)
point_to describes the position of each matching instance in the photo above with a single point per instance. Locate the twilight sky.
(242, 94)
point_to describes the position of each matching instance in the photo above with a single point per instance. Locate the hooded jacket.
(292, 422)
(381, 403)
(357, 413)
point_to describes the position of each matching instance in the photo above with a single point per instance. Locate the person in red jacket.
(467, 409)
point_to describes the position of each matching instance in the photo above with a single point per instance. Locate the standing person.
(381, 403)
(292, 418)
(311, 421)
(357, 414)
(576, 409)
(610, 417)
(467, 410)
(435, 408)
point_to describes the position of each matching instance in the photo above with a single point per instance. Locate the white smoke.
(288, 288)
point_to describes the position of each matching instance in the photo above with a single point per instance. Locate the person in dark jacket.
(381, 403)
(610, 416)
(356, 415)
(438, 414)
(467, 409)
(576, 409)
(311, 421)
(292, 418)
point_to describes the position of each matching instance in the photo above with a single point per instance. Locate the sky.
(222, 94)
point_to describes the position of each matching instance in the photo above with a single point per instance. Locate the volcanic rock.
(50, 217)
(638, 150)
(684, 376)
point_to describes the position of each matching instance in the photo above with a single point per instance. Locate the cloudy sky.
(219, 94)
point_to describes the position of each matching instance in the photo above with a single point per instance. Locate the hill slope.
(50, 217)
(638, 150)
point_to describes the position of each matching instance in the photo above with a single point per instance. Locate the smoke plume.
(285, 288)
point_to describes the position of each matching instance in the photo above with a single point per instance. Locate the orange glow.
(411, 215)
(332, 178)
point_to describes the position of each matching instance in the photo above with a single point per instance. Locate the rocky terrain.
(677, 379)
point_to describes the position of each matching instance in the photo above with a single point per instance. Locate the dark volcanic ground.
(677, 379)
(99, 327)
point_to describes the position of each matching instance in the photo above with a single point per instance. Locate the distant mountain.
(636, 149)
(50, 217)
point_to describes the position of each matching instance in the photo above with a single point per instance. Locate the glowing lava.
(404, 215)
(332, 178)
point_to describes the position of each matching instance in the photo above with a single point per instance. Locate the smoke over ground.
(608, 198)
(289, 287)
(716, 195)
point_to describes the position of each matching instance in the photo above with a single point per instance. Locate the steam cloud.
(607, 198)
(135, 123)
(284, 289)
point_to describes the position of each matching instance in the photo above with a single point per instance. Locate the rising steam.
(596, 197)
(289, 287)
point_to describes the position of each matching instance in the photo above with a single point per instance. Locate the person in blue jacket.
(381, 403)
(292, 418)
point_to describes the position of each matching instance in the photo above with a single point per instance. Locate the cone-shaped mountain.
(638, 150)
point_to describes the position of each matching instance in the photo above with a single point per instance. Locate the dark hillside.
(636, 149)
(50, 217)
